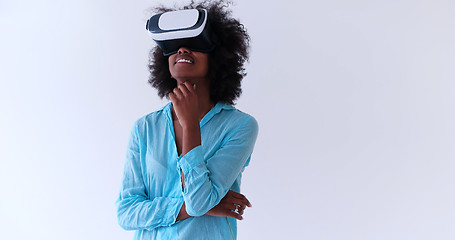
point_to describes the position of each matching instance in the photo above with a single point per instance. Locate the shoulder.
(235, 113)
(238, 119)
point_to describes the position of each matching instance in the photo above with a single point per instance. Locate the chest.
(178, 131)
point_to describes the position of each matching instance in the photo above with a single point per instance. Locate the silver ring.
(236, 208)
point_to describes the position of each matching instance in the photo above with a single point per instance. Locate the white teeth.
(184, 60)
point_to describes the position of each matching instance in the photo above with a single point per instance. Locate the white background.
(355, 101)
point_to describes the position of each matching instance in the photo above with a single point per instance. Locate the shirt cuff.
(191, 159)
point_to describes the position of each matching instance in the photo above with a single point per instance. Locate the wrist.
(182, 214)
(191, 137)
(190, 126)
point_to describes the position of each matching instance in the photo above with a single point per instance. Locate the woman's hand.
(228, 205)
(186, 105)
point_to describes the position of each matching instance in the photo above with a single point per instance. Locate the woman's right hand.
(228, 205)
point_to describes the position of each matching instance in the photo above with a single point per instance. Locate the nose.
(183, 50)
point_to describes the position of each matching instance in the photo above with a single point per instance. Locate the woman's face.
(186, 65)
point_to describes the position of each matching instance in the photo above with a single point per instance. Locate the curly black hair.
(226, 69)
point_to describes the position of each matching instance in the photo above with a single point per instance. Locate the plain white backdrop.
(355, 101)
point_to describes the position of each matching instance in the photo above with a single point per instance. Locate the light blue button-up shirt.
(151, 191)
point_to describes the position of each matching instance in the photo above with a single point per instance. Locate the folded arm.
(207, 181)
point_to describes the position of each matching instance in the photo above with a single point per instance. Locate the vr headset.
(189, 28)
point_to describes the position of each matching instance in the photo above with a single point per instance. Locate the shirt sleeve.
(208, 180)
(135, 209)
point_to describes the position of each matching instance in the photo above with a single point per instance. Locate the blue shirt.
(151, 192)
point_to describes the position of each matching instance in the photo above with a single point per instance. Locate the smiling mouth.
(183, 60)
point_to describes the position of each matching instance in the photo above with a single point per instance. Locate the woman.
(184, 162)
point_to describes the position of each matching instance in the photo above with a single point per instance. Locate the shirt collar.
(214, 111)
(219, 106)
(167, 112)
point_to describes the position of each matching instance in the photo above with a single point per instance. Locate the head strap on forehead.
(189, 28)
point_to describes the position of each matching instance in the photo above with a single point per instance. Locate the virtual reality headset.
(188, 28)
